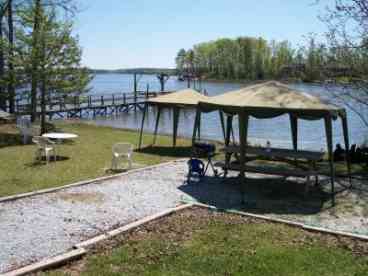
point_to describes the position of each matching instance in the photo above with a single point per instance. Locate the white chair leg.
(113, 163)
(47, 156)
(130, 165)
(37, 155)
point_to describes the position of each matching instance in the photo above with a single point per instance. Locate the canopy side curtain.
(197, 125)
(176, 114)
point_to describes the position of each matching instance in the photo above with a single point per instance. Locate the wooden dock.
(85, 106)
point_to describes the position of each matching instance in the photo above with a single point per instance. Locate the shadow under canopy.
(268, 100)
(182, 99)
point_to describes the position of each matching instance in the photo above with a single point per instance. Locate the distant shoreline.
(173, 73)
(146, 71)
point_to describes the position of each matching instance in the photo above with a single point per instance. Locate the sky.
(146, 33)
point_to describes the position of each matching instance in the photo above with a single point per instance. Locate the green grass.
(86, 158)
(221, 246)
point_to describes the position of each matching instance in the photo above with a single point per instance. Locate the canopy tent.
(187, 98)
(269, 100)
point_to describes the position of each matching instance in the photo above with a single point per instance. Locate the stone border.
(84, 182)
(48, 263)
(130, 226)
(81, 249)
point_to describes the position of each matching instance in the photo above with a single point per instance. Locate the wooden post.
(124, 99)
(113, 99)
(102, 101)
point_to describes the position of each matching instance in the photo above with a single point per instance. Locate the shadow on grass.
(179, 152)
(262, 195)
(42, 162)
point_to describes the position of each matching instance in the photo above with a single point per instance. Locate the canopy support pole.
(222, 124)
(176, 113)
(243, 133)
(195, 128)
(142, 126)
(199, 127)
(347, 146)
(328, 127)
(157, 123)
(294, 130)
(229, 123)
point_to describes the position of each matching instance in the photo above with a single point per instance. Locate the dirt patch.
(82, 197)
(8, 128)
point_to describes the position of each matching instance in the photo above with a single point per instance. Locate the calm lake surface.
(277, 130)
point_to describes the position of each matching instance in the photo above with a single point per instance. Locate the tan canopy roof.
(271, 99)
(185, 97)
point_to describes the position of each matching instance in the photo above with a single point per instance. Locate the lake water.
(277, 130)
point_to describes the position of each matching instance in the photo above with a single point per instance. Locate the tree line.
(40, 57)
(248, 58)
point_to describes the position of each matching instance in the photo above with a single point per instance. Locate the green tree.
(180, 60)
(54, 60)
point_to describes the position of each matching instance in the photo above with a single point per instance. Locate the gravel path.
(46, 225)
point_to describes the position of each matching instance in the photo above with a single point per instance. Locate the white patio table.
(59, 137)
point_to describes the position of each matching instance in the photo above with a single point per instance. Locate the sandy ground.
(45, 225)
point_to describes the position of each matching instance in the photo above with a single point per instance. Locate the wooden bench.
(278, 155)
(297, 172)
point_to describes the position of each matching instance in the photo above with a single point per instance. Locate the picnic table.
(275, 154)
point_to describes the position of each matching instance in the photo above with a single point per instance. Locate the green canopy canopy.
(186, 98)
(269, 100)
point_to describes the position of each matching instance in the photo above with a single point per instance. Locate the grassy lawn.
(201, 242)
(87, 157)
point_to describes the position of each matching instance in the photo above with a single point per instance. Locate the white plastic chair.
(119, 152)
(44, 148)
